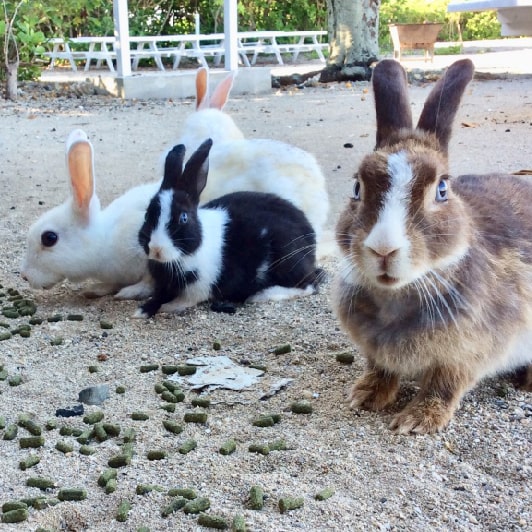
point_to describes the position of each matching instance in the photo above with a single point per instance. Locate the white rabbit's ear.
(221, 92)
(81, 171)
(202, 88)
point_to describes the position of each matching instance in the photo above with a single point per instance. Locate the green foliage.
(480, 25)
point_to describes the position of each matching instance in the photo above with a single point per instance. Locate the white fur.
(280, 293)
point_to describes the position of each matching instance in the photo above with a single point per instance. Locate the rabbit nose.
(155, 253)
(384, 255)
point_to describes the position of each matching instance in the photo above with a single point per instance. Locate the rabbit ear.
(202, 88)
(392, 106)
(173, 167)
(221, 92)
(81, 170)
(443, 101)
(196, 170)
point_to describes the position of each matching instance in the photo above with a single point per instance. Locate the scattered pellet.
(264, 421)
(42, 483)
(110, 487)
(212, 521)
(86, 450)
(239, 524)
(290, 503)
(168, 369)
(120, 389)
(14, 505)
(72, 494)
(15, 380)
(186, 369)
(175, 505)
(228, 447)
(259, 448)
(74, 317)
(187, 493)
(201, 402)
(156, 454)
(149, 367)
(129, 435)
(99, 432)
(105, 324)
(55, 318)
(28, 462)
(324, 494)
(195, 417)
(119, 460)
(106, 476)
(64, 447)
(282, 349)
(11, 432)
(197, 505)
(25, 422)
(171, 385)
(31, 442)
(123, 510)
(15, 516)
(277, 445)
(94, 369)
(187, 446)
(301, 407)
(169, 407)
(93, 417)
(169, 397)
(217, 345)
(172, 426)
(345, 358)
(143, 489)
(159, 387)
(112, 429)
(58, 340)
(256, 498)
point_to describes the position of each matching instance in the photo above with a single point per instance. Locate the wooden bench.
(414, 37)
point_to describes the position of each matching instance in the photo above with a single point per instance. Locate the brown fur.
(479, 242)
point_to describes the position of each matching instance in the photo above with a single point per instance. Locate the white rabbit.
(79, 241)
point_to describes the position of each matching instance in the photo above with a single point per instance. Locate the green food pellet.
(65, 430)
(277, 445)
(168, 369)
(324, 494)
(64, 447)
(77, 432)
(99, 432)
(201, 402)
(30, 425)
(56, 341)
(86, 450)
(301, 407)
(14, 505)
(186, 369)
(259, 448)
(290, 503)
(239, 524)
(94, 369)
(129, 435)
(179, 395)
(119, 460)
(228, 447)
(35, 321)
(74, 317)
(169, 407)
(345, 358)
(29, 461)
(187, 446)
(171, 386)
(112, 429)
(85, 436)
(127, 448)
(169, 397)
(106, 476)
(4, 325)
(55, 318)
(72, 494)
(212, 521)
(256, 498)
(105, 324)
(93, 417)
(41, 503)
(195, 417)
(24, 333)
(187, 493)
(197, 505)
(11, 432)
(149, 367)
(260, 367)
(216, 345)
(12, 314)
(143, 489)
(172, 426)
(3, 374)
(110, 487)
(175, 505)
(282, 349)
(42, 483)
(143, 529)
(264, 421)
(140, 416)
(2, 422)
(15, 516)
(123, 510)
(15, 380)
(159, 387)
(156, 454)
(31, 442)
(120, 389)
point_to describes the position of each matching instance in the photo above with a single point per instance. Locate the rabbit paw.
(375, 390)
(140, 290)
(426, 417)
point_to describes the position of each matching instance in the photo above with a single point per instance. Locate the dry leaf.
(469, 124)
(523, 172)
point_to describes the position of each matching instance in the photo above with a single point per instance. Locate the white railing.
(251, 45)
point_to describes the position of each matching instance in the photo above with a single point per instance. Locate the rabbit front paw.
(426, 417)
(375, 390)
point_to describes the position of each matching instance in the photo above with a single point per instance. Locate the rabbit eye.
(356, 190)
(49, 239)
(442, 191)
(183, 218)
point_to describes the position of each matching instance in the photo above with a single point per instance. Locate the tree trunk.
(11, 80)
(353, 39)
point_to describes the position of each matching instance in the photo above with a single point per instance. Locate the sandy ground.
(473, 476)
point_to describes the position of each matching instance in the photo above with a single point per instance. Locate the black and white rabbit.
(244, 246)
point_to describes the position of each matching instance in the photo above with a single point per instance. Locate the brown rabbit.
(435, 281)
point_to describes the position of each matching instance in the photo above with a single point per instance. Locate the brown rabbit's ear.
(443, 101)
(202, 88)
(80, 168)
(390, 89)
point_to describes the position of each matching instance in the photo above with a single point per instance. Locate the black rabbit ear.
(443, 101)
(196, 171)
(173, 167)
(390, 89)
